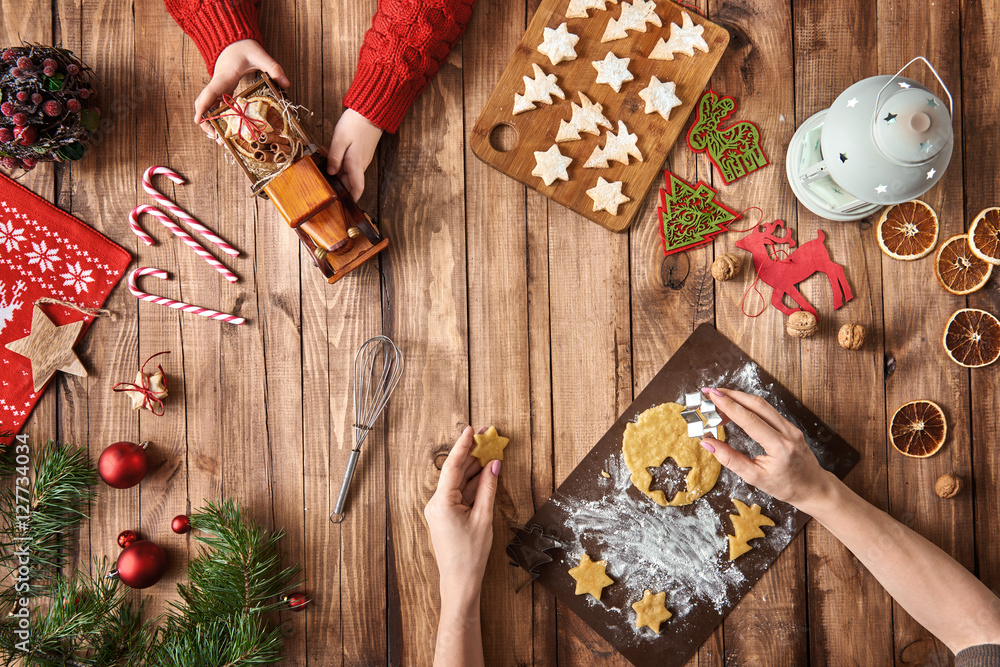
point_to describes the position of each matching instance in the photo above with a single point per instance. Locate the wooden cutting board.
(535, 130)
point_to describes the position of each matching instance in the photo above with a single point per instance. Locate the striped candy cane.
(133, 222)
(147, 185)
(170, 303)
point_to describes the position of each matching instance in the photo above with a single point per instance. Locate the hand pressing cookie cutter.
(701, 416)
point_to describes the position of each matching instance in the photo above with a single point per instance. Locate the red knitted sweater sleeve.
(402, 51)
(215, 24)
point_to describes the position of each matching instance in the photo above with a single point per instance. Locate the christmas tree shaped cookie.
(591, 576)
(587, 116)
(634, 16)
(618, 148)
(651, 611)
(541, 88)
(683, 39)
(746, 525)
(577, 9)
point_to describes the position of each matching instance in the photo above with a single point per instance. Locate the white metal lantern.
(884, 140)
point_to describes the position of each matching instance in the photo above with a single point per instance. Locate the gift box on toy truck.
(260, 129)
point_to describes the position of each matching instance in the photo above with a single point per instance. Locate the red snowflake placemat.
(44, 252)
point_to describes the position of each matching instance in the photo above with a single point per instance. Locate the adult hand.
(351, 150)
(460, 518)
(789, 470)
(235, 60)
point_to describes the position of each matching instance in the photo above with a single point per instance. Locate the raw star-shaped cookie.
(651, 610)
(660, 97)
(591, 577)
(634, 16)
(617, 147)
(613, 71)
(747, 527)
(540, 89)
(578, 8)
(551, 165)
(682, 40)
(558, 44)
(585, 118)
(489, 446)
(607, 196)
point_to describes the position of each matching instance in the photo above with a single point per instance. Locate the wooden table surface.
(515, 312)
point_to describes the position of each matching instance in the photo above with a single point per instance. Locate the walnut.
(948, 486)
(725, 267)
(851, 336)
(801, 324)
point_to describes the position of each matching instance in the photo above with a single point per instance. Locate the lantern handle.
(878, 98)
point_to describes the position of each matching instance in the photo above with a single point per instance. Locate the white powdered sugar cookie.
(660, 97)
(585, 118)
(613, 71)
(551, 165)
(558, 44)
(634, 16)
(578, 8)
(607, 196)
(682, 40)
(540, 89)
(617, 148)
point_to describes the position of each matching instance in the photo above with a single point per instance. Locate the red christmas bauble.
(297, 601)
(181, 524)
(123, 464)
(126, 537)
(141, 564)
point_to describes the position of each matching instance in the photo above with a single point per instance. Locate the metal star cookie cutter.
(701, 416)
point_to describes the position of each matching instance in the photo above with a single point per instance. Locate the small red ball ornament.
(123, 464)
(297, 601)
(181, 524)
(126, 537)
(141, 564)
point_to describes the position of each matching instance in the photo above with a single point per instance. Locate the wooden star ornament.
(49, 348)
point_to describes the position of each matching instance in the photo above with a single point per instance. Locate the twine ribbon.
(149, 399)
(255, 125)
(89, 312)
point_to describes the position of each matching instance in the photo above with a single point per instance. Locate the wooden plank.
(536, 129)
(913, 338)
(850, 614)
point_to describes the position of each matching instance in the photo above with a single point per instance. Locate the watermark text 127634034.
(22, 541)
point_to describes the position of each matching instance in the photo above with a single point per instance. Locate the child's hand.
(351, 150)
(789, 471)
(235, 60)
(460, 518)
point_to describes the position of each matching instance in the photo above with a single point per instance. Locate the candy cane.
(133, 222)
(170, 303)
(147, 185)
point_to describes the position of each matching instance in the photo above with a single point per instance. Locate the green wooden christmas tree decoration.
(689, 215)
(735, 150)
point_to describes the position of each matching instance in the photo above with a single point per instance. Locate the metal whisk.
(377, 367)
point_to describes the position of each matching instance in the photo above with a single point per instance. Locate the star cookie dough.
(660, 97)
(578, 8)
(634, 16)
(489, 446)
(607, 196)
(591, 577)
(682, 40)
(551, 165)
(558, 44)
(651, 610)
(540, 89)
(661, 433)
(617, 147)
(747, 527)
(613, 71)
(585, 118)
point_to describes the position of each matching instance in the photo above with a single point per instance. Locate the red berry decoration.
(73, 69)
(11, 162)
(49, 71)
(73, 105)
(7, 109)
(25, 135)
(123, 464)
(181, 524)
(6, 135)
(52, 108)
(19, 118)
(126, 538)
(141, 564)
(36, 98)
(23, 96)
(24, 62)
(8, 54)
(297, 601)
(16, 72)
(49, 62)
(28, 163)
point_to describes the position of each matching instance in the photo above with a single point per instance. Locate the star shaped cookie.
(558, 44)
(489, 446)
(551, 165)
(591, 576)
(617, 147)
(538, 89)
(577, 9)
(585, 118)
(607, 196)
(651, 610)
(613, 71)
(660, 97)
(682, 40)
(49, 348)
(634, 16)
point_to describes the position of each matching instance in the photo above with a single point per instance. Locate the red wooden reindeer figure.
(783, 275)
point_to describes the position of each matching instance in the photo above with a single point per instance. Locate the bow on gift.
(255, 126)
(148, 391)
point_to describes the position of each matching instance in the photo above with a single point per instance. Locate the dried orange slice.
(958, 269)
(972, 338)
(984, 235)
(918, 429)
(908, 230)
